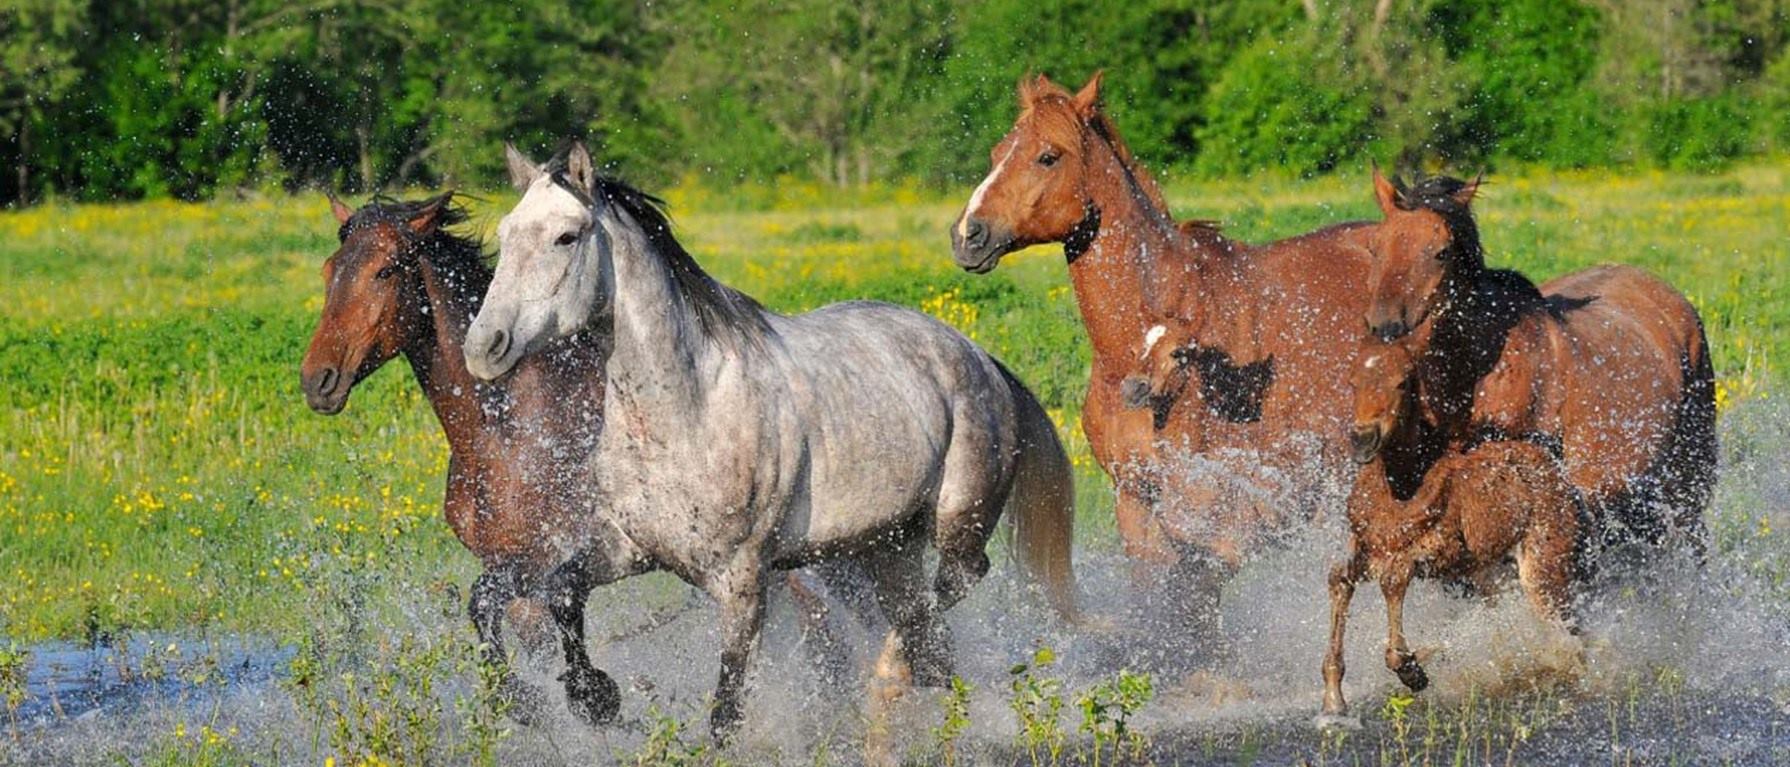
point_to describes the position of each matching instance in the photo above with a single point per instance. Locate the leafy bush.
(1698, 134)
(1269, 109)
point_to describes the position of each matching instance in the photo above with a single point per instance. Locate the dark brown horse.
(401, 283)
(1425, 507)
(1275, 328)
(1610, 364)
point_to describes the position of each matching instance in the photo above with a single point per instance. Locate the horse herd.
(612, 409)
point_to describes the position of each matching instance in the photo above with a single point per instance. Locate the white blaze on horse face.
(1371, 362)
(963, 224)
(1151, 338)
(541, 287)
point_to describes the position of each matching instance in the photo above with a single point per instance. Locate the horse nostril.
(500, 345)
(1134, 392)
(1391, 330)
(326, 382)
(976, 232)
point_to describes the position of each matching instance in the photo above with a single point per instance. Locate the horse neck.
(1466, 339)
(1409, 454)
(437, 356)
(1116, 273)
(660, 344)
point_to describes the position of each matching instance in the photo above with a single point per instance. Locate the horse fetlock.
(592, 695)
(726, 718)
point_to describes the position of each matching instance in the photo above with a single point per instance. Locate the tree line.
(190, 98)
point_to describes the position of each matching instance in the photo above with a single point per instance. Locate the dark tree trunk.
(24, 162)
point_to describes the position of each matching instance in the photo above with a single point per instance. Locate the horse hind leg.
(918, 646)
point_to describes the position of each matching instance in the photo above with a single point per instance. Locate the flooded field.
(201, 571)
(1682, 667)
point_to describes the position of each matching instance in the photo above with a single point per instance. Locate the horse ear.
(337, 209)
(1464, 195)
(429, 216)
(1087, 100)
(1385, 193)
(523, 172)
(581, 169)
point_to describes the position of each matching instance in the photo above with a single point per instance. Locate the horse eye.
(1049, 158)
(567, 238)
(385, 272)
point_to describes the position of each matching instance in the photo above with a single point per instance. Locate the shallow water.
(1685, 666)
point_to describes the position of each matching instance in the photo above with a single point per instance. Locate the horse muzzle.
(1365, 443)
(977, 246)
(1134, 393)
(326, 390)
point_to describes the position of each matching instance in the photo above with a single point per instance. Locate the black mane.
(1437, 194)
(458, 255)
(723, 312)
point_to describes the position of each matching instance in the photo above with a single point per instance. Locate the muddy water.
(1686, 665)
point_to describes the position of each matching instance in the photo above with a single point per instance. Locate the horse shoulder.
(1510, 398)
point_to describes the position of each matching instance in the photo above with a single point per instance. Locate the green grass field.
(159, 470)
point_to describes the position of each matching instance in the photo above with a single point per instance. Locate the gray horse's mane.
(726, 315)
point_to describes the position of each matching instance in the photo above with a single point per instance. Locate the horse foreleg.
(1393, 584)
(1343, 578)
(590, 693)
(742, 615)
(1545, 565)
(492, 594)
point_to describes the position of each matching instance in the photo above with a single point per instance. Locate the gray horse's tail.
(1042, 504)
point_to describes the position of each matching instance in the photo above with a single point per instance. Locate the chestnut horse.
(1609, 363)
(1276, 329)
(1423, 508)
(402, 283)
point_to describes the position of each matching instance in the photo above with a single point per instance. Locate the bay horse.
(402, 283)
(1610, 363)
(1423, 507)
(1276, 325)
(741, 441)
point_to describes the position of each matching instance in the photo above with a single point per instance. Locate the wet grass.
(160, 472)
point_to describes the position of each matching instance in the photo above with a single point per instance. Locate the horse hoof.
(593, 697)
(1336, 722)
(1412, 675)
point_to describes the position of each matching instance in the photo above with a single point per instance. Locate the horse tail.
(1693, 455)
(1041, 505)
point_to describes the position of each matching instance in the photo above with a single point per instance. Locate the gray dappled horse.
(739, 441)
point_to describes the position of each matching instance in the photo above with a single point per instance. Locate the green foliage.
(956, 720)
(1271, 110)
(173, 98)
(1699, 134)
(668, 744)
(1525, 64)
(1106, 711)
(1037, 703)
(15, 665)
